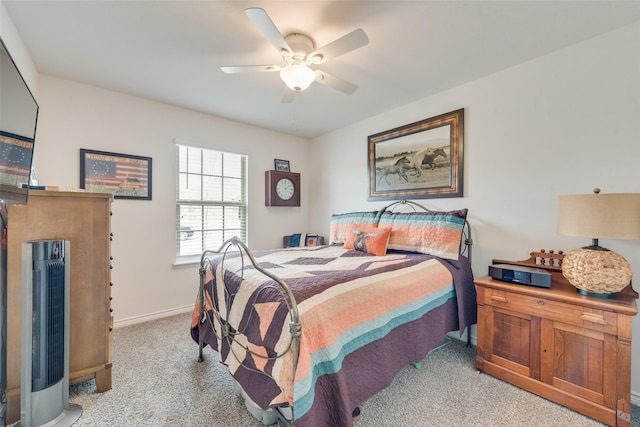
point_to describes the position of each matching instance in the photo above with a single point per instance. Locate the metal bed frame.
(295, 328)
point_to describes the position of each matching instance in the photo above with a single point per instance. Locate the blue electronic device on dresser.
(523, 275)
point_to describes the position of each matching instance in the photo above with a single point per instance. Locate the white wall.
(18, 52)
(74, 116)
(562, 124)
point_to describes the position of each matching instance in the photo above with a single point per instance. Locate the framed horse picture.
(418, 161)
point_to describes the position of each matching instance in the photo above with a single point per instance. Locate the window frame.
(242, 205)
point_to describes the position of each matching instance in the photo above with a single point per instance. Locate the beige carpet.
(157, 381)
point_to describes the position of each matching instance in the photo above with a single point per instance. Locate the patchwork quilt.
(363, 318)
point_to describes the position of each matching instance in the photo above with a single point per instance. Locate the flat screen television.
(18, 122)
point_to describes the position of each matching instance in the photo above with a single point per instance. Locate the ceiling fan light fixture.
(297, 77)
(316, 58)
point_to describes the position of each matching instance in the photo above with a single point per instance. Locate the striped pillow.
(342, 224)
(433, 233)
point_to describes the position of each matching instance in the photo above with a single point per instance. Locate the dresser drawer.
(598, 320)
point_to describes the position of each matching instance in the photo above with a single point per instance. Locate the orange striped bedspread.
(353, 307)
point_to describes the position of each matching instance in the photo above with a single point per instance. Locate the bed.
(310, 333)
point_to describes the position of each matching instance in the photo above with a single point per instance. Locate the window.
(211, 200)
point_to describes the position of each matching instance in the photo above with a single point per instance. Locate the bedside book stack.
(295, 240)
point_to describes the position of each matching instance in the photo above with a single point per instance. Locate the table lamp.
(594, 270)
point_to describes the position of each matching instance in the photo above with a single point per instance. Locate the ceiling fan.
(299, 56)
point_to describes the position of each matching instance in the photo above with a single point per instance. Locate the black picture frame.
(281, 165)
(311, 240)
(418, 161)
(123, 175)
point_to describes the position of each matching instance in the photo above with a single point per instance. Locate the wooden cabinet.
(84, 219)
(571, 349)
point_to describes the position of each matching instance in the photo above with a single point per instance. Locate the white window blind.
(211, 200)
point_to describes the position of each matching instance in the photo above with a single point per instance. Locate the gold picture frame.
(418, 161)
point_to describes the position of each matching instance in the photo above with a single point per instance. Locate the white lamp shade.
(297, 76)
(600, 216)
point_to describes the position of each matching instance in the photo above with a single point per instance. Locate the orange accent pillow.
(369, 239)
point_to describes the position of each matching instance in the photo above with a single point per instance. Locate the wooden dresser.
(571, 349)
(85, 220)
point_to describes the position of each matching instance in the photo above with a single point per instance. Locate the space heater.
(44, 390)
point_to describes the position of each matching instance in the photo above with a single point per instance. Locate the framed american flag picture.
(123, 175)
(16, 153)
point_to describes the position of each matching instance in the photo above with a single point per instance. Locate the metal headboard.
(465, 244)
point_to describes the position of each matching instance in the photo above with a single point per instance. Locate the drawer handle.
(498, 298)
(540, 302)
(593, 318)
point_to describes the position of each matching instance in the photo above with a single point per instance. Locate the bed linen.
(363, 318)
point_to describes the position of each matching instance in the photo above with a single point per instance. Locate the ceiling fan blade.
(288, 96)
(335, 82)
(250, 69)
(352, 41)
(261, 20)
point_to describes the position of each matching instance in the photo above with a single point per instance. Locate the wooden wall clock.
(281, 188)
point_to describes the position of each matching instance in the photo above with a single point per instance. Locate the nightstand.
(572, 349)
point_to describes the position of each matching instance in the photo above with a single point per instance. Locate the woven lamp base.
(598, 272)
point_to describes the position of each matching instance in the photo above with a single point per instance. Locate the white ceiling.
(171, 51)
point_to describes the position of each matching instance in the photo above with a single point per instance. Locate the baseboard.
(152, 316)
(456, 335)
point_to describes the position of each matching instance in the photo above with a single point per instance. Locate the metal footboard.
(223, 332)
